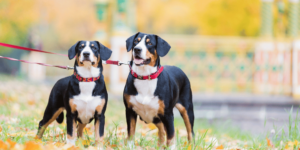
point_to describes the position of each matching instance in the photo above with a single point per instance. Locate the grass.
(22, 105)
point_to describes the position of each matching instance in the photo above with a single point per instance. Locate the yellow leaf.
(220, 147)
(185, 144)
(190, 147)
(3, 145)
(296, 142)
(270, 144)
(32, 146)
(11, 143)
(114, 145)
(86, 142)
(151, 126)
(0, 129)
(73, 148)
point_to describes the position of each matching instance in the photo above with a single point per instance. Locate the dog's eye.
(136, 41)
(94, 48)
(149, 43)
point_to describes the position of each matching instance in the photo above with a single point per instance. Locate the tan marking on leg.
(80, 130)
(161, 133)
(72, 105)
(98, 139)
(161, 108)
(73, 136)
(132, 128)
(127, 99)
(43, 128)
(153, 58)
(100, 107)
(186, 119)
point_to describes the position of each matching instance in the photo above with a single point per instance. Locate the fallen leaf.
(86, 142)
(11, 143)
(73, 148)
(0, 129)
(114, 145)
(296, 142)
(3, 145)
(190, 147)
(270, 144)
(32, 146)
(151, 126)
(220, 147)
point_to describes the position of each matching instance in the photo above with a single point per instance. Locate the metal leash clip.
(123, 63)
(69, 68)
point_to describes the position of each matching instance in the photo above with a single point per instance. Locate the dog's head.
(89, 53)
(147, 48)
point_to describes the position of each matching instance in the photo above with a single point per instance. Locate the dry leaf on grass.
(220, 147)
(32, 146)
(3, 145)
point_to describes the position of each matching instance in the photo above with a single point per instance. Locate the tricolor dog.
(152, 91)
(83, 95)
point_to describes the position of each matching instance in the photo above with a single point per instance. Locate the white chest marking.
(145, 104)
(86, 103)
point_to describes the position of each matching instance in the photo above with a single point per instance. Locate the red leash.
(49, 65)
(27, 49)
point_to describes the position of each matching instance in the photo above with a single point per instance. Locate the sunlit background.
(241, 56)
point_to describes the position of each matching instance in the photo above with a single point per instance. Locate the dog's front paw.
(130, 144)
(71, 141)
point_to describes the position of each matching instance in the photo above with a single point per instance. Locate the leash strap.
(27, 49)
(49, 65)
(111, 62)
(42, 64)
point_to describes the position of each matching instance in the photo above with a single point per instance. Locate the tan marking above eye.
(148, 40)
(92, 44)
(139, 39)
(82, 44)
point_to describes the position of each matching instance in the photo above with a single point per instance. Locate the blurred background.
(242, 57)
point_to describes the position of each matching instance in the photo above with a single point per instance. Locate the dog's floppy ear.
(73, 50)
(105, 52)
(162, 47)
(129, 42)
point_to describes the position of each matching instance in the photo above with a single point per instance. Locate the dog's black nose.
(137, 50)
(86, 54)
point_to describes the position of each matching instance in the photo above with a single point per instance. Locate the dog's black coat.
(173, 86)
(67, 87)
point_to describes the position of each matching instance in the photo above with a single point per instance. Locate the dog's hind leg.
(49, 117)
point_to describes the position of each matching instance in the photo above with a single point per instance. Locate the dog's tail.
(60, 118)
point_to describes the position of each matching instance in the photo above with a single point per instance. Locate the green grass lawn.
(22, 104)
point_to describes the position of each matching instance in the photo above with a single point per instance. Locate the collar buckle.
(140, 77)
(149, 78)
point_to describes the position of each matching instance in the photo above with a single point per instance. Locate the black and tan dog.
(152, 90)
(83, 95)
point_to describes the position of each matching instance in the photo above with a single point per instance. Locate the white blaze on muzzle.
(87, 49)
(143, 47)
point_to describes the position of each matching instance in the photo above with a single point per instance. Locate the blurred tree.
(206, 17)
(15, 19)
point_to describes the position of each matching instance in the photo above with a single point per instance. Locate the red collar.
(149, 77)
(81, 79)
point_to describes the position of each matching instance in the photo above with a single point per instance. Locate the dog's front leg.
(71, 128)
(99, 130)
(131, 117)
(168, 121)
